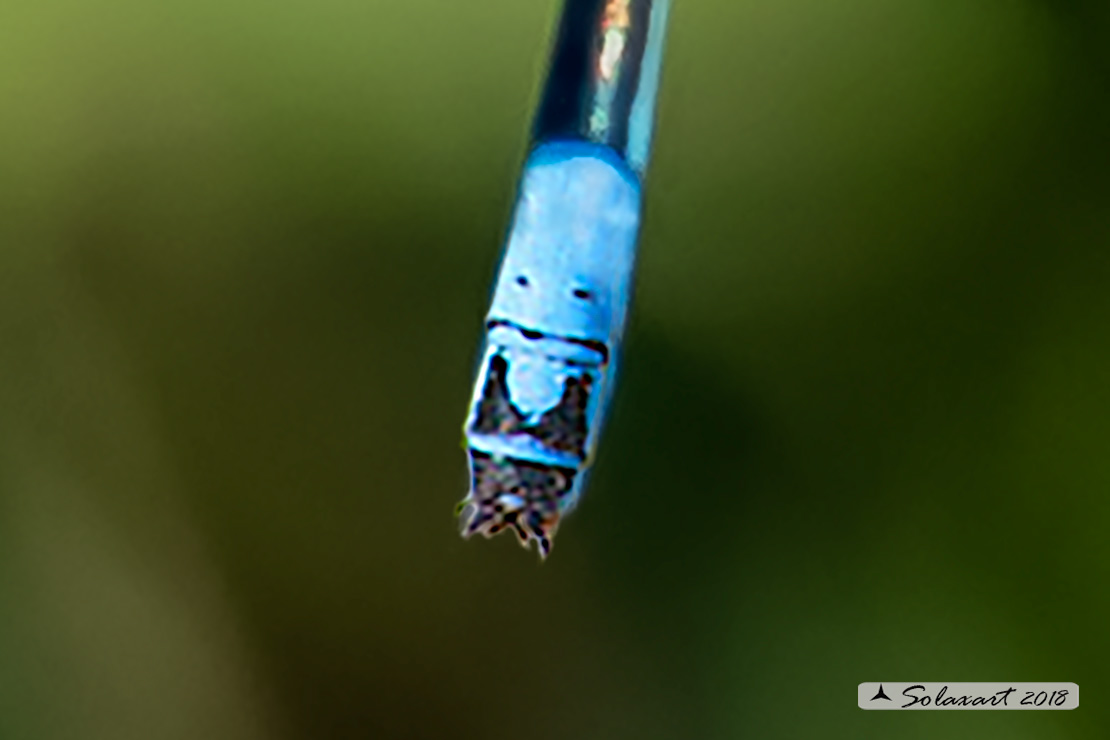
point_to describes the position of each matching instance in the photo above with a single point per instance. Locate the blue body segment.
(554, 328)
(568, 263)
(561, 298)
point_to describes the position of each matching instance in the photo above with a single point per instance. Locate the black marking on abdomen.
(590, 344)
(563, 428)
(496, 413)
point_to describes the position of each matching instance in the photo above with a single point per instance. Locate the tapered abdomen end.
(507, 493)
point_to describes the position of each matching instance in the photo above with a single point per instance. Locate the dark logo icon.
(881, 695)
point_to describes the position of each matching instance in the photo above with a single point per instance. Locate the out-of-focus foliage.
(245, 250)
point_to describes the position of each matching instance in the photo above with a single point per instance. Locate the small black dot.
(583, 294)
(522, 281)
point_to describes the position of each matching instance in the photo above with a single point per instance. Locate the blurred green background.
(245, 251)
